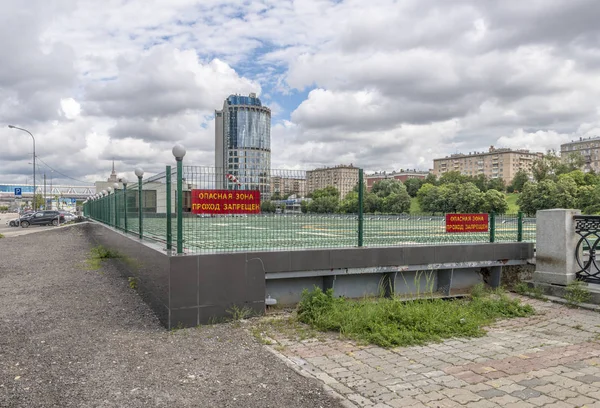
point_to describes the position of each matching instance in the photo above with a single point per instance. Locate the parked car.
(42, 218)
(17, 221)
(68, 216)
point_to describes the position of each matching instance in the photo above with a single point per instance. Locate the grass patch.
(511, 199)
(1, 236)
(524, 289)
(99, 254)
(577, 293)
(393, 322)
(415, 208)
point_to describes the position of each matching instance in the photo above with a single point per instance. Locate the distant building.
(243, 144)
(287, 186)
(112, 179)
(342, 177)
(495, 163)
(401, 175)
(589, 148)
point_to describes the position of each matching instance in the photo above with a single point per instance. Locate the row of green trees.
(460, 198)
(386, 196)
(391, 196)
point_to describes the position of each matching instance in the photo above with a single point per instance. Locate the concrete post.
(555, 247)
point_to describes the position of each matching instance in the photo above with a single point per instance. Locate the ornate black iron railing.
(588, 229)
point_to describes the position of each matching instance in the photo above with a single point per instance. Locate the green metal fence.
(295, 213)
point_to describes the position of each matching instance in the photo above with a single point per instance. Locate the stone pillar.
(555, 247)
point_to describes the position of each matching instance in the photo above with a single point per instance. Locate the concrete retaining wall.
(188, 290)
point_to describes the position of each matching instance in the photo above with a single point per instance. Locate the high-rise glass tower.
(243, 145)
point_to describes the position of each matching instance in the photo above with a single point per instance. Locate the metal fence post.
(492, 227)
(140, 173)
(520, 227)
(125, 205)
(116, 209)
(169, 225)
(360, 207)
(179, 153)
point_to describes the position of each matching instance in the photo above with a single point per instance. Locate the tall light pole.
(139, 172)
(179, 152)
(25, 130)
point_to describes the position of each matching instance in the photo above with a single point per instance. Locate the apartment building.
(401, 175)
(589, 148)
(342, 177)
(495, 163)
(286, 186)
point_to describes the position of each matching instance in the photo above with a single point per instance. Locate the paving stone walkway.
(548, 360)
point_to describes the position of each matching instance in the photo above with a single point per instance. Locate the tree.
(496, 184)
(520, 178)
(350, 203)
(413, 185)
(324, 204)
(591, 178)
(431, 179)
(384, 188)
(577, 176)
(372, 203)
(276, 196)
(566, 193)
(396, 203)
(38, 201)
(479, 180)
(537, 196)
(452, 177)
(328, 191)
(304, 206)
(267, 207)
(494, 201)
(428, 197)
(545, 167)
(460, 198)
(571, 162)
(588, 199)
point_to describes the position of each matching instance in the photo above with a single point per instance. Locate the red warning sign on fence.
(225, 201)
(467, 223)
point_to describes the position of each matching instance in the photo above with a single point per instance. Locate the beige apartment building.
(495, 163)
(288, 186)
(401, 175)
(342, 177)
(589, 148)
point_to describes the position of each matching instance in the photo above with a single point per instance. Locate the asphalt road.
(74, 337)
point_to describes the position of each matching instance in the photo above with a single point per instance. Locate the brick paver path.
(548, 360)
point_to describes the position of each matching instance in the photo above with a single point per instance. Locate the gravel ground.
(71, 337)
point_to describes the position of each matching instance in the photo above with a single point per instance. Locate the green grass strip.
(397, 322)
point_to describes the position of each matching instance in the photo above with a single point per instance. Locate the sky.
(383, 84)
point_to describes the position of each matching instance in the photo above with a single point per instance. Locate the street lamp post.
(139, 172)
(27, 131)
(179, 152)
(104, 210)
(124, 181)
(109, 205)
(116, 187)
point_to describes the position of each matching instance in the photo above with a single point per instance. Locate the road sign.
(18, 192)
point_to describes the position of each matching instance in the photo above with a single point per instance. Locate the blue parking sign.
(17, 192)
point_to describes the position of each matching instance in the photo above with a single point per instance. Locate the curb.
(19, 232)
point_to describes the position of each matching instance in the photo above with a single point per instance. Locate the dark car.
(42, 218)
(17, 221)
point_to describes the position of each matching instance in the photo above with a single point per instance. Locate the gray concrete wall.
(142, 260)
(198, 289)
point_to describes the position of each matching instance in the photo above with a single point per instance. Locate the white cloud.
(391, 85)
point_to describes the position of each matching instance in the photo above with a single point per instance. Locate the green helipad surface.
(299, 231)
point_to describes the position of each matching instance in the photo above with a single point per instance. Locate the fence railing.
(203, 210)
